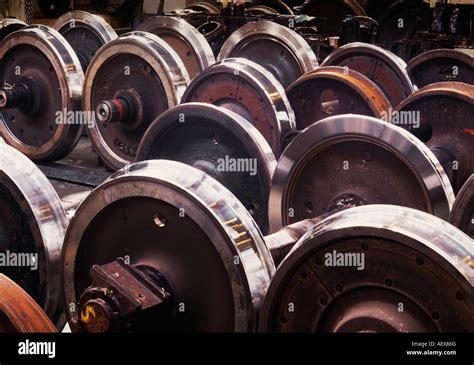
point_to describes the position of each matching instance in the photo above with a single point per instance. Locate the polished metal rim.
(267, 85)
(387, 58)
(414, 153)
(237, 125)
(462, 214)
(71, 78)
(298, 46)
(223, 218)
(49, 218)
(161, 58)
(84, 19)
(447, 246)
(181, 29)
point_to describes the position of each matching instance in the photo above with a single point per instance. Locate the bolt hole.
(424, 132)
(323, 301)
(338, 288)
(459, 296)
(419, 261)
(388, 282)
(159, 220)
(252, 209)
(365, 246)
(309, 207)
(435, 315)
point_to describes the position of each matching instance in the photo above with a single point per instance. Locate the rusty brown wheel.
(384, 68)
(354, 271)
(335, 90)
(85, 32)
(441, 65)
(334, 11)
(351, 160)
(32, 228)
(440, 115)
(287, 54)
(186, 242)
(248, 89)
(462, 214)
(220, 143)
(187, 41)
(19, 313)
(10, 25)
(130, 82)
(40, 95)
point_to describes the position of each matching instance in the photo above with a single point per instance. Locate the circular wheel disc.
(445, 112)
(85, 32)
(441, 65)
(333, 11)
(335, 90)
(177, 219)
(187, 41)
(10, 25)
(220, 143)
(462, 214)
(354, 272)
(140, 65)
(381, 66)
(352, 160)
(249, 90)
(32, 221)
(19, 313)
(41, 58)
(287, 55)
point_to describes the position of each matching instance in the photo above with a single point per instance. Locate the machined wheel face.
(187, 41)
(10, 25)
(32, 228)
(244, 87)
(19, 313)
(219, 143)
(287, 55)
(85, 32)
(462, 214)
(335, 90)
(382, 67)
(352, 160)
(165, 215)
(333, 11)
(441, 65)
(442, 116)
(46, 125)
(140, 76)
(354, 272)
